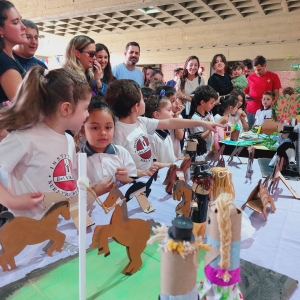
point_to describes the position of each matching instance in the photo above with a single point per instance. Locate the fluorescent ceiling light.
(149, 10)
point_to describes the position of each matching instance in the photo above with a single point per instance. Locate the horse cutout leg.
(135, 260)
(56, 243)
(96, 236)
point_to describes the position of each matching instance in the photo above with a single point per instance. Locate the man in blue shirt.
(127, 69)
(24, 53)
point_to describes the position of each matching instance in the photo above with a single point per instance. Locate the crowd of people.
(129, 122)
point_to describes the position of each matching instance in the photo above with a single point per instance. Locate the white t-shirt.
(176, 143)
(261, 115)
(207, 117)
(231, 121)
(103, 166)
(189, 88)
(38, 160)
(162, 146)
(134, 138)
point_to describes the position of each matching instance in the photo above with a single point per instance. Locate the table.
(275, 244)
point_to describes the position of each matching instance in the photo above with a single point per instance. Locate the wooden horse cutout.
(19, 232)
(259, 199)
(53, 197)
(141, 191)
(175, 173)
(132, 233)
(215, 158)
(249, 171)
(181, 190)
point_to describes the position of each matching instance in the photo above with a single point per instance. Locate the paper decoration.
(175, 173)
(131, 233)
(222, 261)
(259, 199)
(287, 107)
(52, 197)
(141, 191)
(179, 248)
(182, 190)
(249, 171)
(18, 232)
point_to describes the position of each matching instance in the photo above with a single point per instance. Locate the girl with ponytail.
(37, 154)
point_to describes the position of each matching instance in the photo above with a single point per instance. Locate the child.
(131, 130)
(203, 102)
(176, 135)
(159, 107)
(265, 112)
(228, 106)
(240, 115)
(106, 162)
(37, 153)
(239, 80)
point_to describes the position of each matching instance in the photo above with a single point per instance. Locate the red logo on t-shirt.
(142, 146)
(62, 177)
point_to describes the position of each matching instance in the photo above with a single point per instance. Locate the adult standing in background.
(190, 80)
(220, 81)
(81, 57)
(12, 32)
(177, 74)
(146, 73)
(258, 83)
(24, 53)
(103, 58)
(127, 69)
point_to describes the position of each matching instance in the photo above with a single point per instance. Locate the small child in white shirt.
(106, 163)
(265, 112)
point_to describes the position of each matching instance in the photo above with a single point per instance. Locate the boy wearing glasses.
(24, 53)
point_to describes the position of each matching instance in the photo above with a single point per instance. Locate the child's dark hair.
(288, 91)
(236, 93)
(270, 93)
(4, 7)
(122, 95)
(155, 103)
(100, 105)
(39, 95)
(237, 65)
(225, 102)
(97, 98)
(146, 92)
(169, 91)
(202, 93)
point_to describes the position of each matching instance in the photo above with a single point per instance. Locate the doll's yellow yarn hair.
(222, 182)
(223, 203)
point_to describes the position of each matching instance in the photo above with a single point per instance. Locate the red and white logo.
(142, 147)
(62, 178)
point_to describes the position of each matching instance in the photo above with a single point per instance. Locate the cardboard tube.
(178, 274)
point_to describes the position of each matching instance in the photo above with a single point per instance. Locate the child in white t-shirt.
(37, 154)
(160, 108)
(203, 102)
(240, 116)
(228, 106)
(131, 131)
(106, 163)
(176, 135)
(265, 112)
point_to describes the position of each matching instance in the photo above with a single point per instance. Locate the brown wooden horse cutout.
(175, 173)
(19, 232)
(259, 199)
(53, 197)
(132, 233)
(181, 190)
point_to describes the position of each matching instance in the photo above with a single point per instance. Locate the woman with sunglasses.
(81, 57)
(12, 32)
(103, 58)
